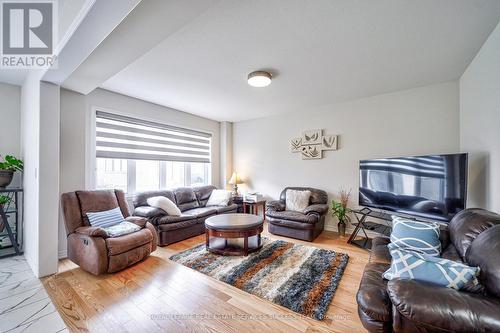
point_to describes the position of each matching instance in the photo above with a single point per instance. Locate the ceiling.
(320, 52)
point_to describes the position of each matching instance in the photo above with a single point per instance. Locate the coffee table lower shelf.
(224, 242)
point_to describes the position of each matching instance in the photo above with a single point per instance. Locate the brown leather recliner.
(305, 225)
(90, 247)
(473, 237)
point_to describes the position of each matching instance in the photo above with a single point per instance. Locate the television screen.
(432, 187)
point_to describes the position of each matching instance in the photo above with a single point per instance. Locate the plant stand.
(9, 212)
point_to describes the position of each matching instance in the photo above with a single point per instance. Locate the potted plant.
(9, 165)
(341, 211)
(3, 201)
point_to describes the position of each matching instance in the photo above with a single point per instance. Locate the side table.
(252, 207)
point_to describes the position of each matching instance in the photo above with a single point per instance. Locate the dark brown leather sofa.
(90, 247)
(473, 237)
(305, 225)
(192, 203)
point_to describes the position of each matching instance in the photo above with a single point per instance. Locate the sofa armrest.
(148, 212)
(275, 205)
(426, 305)
(320, 209)
(137, 220)
(92, 232)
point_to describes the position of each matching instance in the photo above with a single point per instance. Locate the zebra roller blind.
(130, 138)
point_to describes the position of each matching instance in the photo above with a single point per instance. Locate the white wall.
(480, 123)
(48, 178)
(30, 134)
(412, 122)
(10, 117)
(74, 117)
(39, 150)
(226, 153)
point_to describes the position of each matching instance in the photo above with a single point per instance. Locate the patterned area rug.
(300, 278)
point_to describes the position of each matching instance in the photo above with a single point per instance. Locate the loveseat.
(473, 238)
(306, 225)
(90, 247)
(192, 203)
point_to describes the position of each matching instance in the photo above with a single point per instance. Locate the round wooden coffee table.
(221, 230)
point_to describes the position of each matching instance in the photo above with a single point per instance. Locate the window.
(135, 155)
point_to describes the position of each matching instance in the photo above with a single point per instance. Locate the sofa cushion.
(380, 252)
(203, 193)
(128, 242)
(412, 265)
(468, 224)
(141, 199)
(201, 211)
(293, 216)
(148, 212)
(415, 236)
(372, 296)
(291, 224)
(165, 204)
(226, 209)
(451, 253)
(95, 201)
(166, 219)
(172, 227)
(185, 198)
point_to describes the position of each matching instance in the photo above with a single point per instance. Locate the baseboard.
(62, 254)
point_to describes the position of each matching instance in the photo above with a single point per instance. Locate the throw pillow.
(106, 218)
(297, 200)
(121, 229)
(422, 267)
(416, 236)
(219, 198)
(164, 204)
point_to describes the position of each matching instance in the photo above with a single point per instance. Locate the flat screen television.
(432, 187)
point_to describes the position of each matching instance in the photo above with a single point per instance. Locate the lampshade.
(235, 179)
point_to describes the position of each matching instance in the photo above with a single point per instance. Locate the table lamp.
(235, 180)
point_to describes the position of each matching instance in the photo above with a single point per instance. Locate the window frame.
(91, 158)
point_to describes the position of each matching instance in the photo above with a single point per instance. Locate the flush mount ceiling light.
(259, 79)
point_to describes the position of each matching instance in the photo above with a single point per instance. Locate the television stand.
(364, 225)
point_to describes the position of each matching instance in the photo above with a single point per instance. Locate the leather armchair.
(90, 247)
(306, 225)
(472, 237)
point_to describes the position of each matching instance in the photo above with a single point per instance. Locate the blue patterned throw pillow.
(416, 236)
(417, 266)
(106, 218)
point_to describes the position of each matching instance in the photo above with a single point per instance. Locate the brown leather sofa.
(192, 203)
(473, 237)
(305, 225)
(90, 247)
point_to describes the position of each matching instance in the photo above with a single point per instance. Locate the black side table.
(11, 219)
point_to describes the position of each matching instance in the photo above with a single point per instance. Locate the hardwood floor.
(158, 295)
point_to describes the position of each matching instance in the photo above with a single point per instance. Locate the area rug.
(300, 278)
